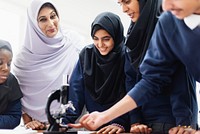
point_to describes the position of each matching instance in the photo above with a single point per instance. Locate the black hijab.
(9, 90)
(139, 33)
(103, 75)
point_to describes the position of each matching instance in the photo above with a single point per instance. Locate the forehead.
(45, 10)
(5, 52)
(101, 32)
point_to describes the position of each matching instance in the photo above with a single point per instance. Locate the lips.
(51, 30)
(175, 11)
(131, 15)
(3, 77)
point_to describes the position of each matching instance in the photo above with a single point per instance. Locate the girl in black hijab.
(10, 93)
(98, 79)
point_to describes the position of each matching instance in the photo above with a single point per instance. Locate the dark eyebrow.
(107, 36)
(120, 1)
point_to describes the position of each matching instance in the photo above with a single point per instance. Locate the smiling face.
(182, 8)
(131, 8)
(5, 64)
(48, 21)
(103, 41)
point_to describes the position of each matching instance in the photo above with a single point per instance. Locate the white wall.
(12, 25)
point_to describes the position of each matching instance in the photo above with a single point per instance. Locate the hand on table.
(183, 130)
(111, 129)
(33, 124)
(140, 128)
(90, 121)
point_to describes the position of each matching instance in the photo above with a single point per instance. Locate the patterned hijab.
(139, 33)
(103, 75)
(42, 62)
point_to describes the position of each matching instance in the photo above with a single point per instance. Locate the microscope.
(55, 119)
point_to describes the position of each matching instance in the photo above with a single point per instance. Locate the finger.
(119, 131)
(36, 124)
(181, 130)
(186, 132)
(149, 130)
(89, 123)
(141, 128)
(30, 126)
(42, 126)
(173, 130)
(112, 131)
(103, 130)
(84, 117)
(135, 129)
(145, 129)
(86, 121)
(78, 125)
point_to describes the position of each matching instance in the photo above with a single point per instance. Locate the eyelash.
(51, 17)
(8, 64)
(104, 39)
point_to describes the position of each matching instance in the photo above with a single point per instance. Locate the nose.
(50, 23)
(167, 5)
(124, 8)
(4, 67)
(100, 43)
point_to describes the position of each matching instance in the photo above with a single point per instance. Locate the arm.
(12, 116)
(76, 93)
(96, 119)
(158, 66)
(132, 77)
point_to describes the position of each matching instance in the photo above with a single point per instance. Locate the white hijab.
(42, 62)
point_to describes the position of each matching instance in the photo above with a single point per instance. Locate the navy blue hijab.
(104, 74)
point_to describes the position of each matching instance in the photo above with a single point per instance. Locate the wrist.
(106, 116)
(26, 118)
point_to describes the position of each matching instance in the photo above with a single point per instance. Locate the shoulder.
(13, 84)
(166, 19)
(87, 49)
(168, 24)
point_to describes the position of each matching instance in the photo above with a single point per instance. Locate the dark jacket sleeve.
(76, 94)
(131, 79)
(12, 116)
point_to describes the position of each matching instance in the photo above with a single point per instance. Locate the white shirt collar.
(192, 21)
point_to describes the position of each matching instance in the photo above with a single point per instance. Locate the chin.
(134, 20)
(178, 16)
(104, 54)
(51, 36)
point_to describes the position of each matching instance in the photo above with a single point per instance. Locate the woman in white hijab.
(48, 53)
